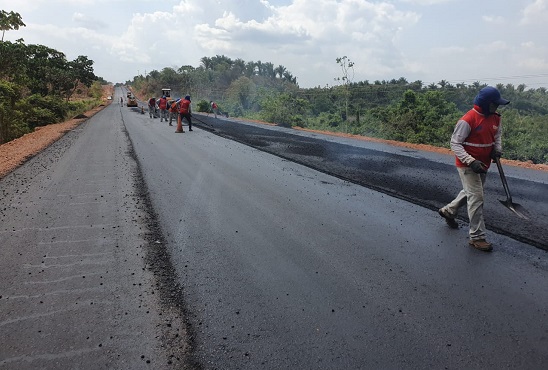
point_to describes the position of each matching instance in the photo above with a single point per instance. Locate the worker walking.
(475, 141)
(184, 112)
(152, 107)
(214, 108)
(162, 105)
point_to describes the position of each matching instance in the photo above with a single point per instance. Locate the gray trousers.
(152, 111)
(173, 116)
(471, 195)
(163, 114)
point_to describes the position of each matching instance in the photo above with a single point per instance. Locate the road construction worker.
(184, 112)
(476, 140)
(152, 107)
(214, 108)
(162, 105)
(174, 110)
(121, 100)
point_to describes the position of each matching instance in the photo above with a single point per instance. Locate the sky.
(459, 41)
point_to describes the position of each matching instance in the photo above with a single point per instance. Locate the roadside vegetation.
(396, 110)
(39, 86)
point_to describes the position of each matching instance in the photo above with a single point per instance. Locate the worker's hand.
(478, 167)
(495, 154)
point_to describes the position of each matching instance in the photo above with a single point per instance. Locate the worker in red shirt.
(214, 108)
(162, 105)
(476, 140)
(152, 107)
(184, 112)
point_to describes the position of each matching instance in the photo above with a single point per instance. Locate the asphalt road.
(283, 266)
(327, 255)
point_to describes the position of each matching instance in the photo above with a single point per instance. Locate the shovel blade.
(514, 207)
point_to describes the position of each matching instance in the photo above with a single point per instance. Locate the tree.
(206, 63)
(347, 67)
(10, 21)
(280, 70)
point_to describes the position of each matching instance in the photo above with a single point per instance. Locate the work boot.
(448, 218)
(481, 244)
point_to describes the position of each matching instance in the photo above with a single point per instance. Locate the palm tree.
(250, 69)
(206, 63)
(268, 70)
(443, 84)
(280, 71)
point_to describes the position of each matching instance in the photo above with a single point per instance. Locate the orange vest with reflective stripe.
(481, 139)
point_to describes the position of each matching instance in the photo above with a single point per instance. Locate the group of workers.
(178, 109)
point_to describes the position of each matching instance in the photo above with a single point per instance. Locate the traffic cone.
(179, 124)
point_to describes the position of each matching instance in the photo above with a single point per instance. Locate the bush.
(203, 106)
(38, 110)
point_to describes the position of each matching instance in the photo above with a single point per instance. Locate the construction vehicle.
(132, 101)
(166, 93)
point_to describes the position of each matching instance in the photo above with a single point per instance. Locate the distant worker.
(184, 112)
(475, 141)
(152, 107)
(162, 105)
(121, 100)
(214, 108)
(174, 110)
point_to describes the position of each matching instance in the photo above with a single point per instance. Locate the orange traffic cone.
(179, 124)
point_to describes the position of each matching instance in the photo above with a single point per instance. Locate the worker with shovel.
(475, 141)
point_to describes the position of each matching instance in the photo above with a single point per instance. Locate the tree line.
(38, 82)
(394, 109)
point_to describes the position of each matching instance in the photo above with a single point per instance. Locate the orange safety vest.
(162, 104)
(173, 107)
(184, 106)
(481, 140)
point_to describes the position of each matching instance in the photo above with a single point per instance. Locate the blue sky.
(429, 40)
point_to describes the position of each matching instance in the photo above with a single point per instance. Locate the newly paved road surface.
(268, 263)
(286, 267)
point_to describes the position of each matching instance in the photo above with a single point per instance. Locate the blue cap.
(187, 97)
(489, 95)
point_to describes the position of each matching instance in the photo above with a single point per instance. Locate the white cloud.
(534, 64)
(426, 2)
(536, 13)
(415, 39)
(88, 22)
(493, 19)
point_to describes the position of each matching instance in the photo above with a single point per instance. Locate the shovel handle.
(503, 178)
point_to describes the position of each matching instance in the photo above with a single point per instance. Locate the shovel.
(514, 207)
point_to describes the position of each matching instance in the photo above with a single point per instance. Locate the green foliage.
(10, 21)
(96, 90)
(36, 83)
(203, 106)
(282, 108)
(11, 123)
(524, 137)
(38, 110)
